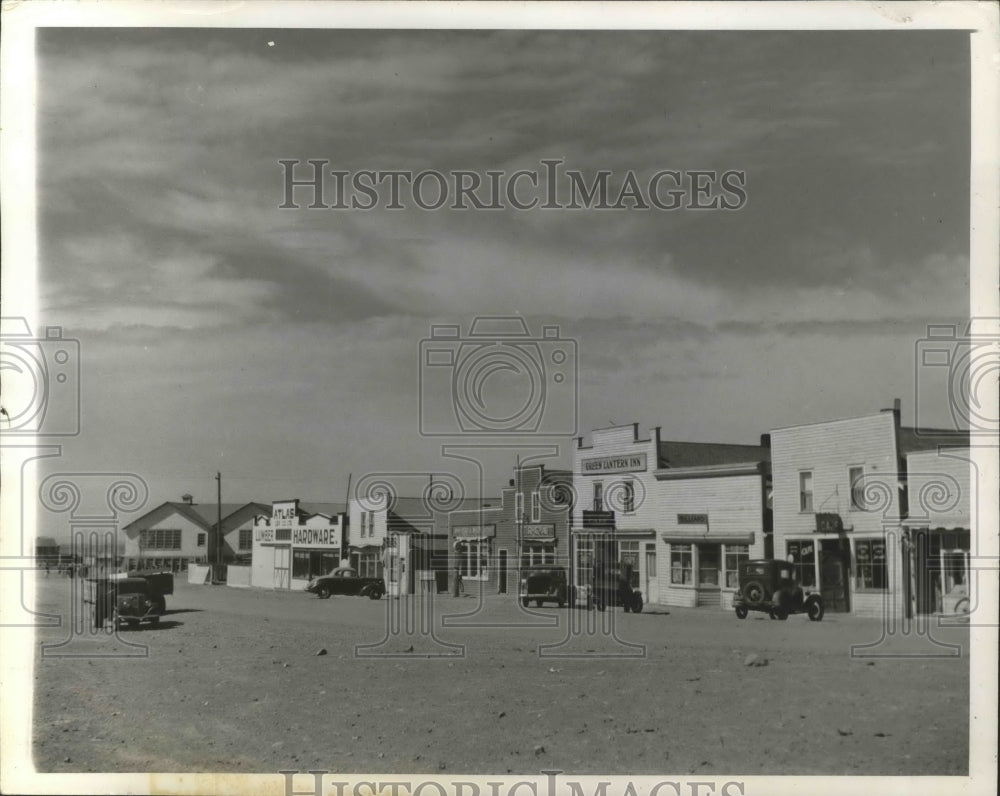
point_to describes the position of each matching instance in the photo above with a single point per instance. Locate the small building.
(840, 502)
(174, 534)
(681, 514)
(46, 552)
(401, 539)
(938, 532)
(295, 540)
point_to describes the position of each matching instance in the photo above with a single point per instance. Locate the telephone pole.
(218, 529)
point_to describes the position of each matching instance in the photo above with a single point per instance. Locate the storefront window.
(870, 564)
(300, 564)
(680, 564)
(246, 539)
(473, 558)
(584, 560)
(628, 553)
(368, 565)
(735, 553)
(802, 557)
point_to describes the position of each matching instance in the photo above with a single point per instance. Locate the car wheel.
(562, 603)
(779, 612)
(525, 602)
(753, 592)
(599, 603)
(627, 607)
(538, 603)
(815, 609)
(375, 594)
(323, 592)
(637, 604)
(741, 612)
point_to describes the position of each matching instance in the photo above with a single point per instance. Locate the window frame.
(628, 496)
(678, 552)
(536, 506)
(856, 492)
(735, 554)
(867, 564)
(246, 539)
(598, 497)
(806, 498)
(473, 557)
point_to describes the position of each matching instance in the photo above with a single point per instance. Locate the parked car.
(543, 584)
(129, 600)
(769, 585)
(612, 586)
(345, 580)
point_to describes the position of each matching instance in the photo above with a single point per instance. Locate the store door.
(282, 568)
(652, 593)
(502, 574)
(834, 574)
(709, 593)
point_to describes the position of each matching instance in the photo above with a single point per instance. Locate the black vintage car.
(543, 584)
(129, 600)
(769, 585)
(613, 586)
(345, 580)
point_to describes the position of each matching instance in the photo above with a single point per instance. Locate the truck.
(128, 599)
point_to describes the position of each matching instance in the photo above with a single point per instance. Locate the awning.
(617, 533)
(710, 538)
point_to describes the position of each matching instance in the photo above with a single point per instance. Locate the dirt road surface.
(231, 682)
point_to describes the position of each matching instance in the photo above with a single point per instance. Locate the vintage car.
(769, 585)
(130, 599)
(612, 585)
(543, 584)
(345, 580)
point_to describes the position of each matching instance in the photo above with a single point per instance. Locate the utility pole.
(218, 527)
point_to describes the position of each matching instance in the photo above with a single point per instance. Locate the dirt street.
(231, 681)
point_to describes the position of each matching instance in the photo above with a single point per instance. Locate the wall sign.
(473, 531)
(316, 537)
(629, 463)
(829, 523)
(538, 532)
(692, 519)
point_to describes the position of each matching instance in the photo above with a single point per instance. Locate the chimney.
(765, 440)
(510, 482)
(896, 409)
(188, 498)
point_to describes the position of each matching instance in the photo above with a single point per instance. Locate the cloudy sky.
(219, 332)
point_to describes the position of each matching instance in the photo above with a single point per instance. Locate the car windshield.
(344, 573)
(132, 587)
